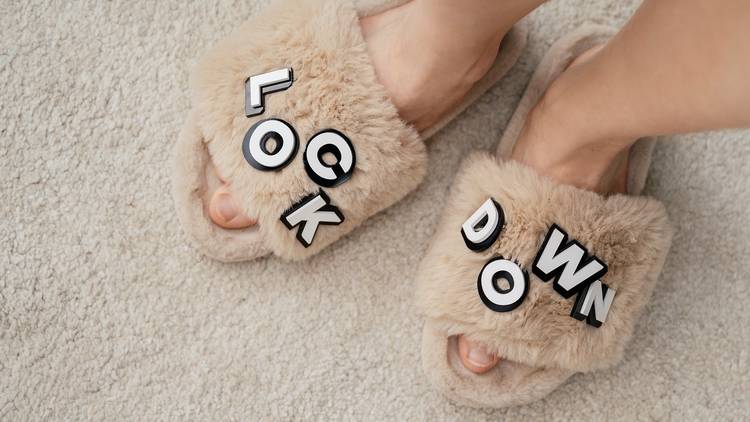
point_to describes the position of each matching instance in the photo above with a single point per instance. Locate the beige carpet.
(106, 312)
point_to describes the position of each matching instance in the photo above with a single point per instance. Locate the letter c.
(329, 141)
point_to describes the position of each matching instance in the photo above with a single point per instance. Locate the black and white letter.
(329, 141)
(496, 297)
(255, 145)
(598, 296)
(310, 212)
(483, 227)
(567, 262)
(257, 86)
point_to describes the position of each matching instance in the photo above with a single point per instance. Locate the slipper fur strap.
(544, 274)
(299, 74)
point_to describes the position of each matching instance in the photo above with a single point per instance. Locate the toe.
(475, 356)
(225, 212)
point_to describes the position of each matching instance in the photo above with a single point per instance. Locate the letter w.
(568, 262)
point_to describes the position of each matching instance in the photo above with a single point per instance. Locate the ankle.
(471, 26)
(563, 141)
(424, 61)
(470, 38)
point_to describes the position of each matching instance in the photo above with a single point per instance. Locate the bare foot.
(550, 143)
(427, 69)
(224, 211)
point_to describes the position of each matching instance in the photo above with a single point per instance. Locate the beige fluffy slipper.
(550, 277)
(289, 111)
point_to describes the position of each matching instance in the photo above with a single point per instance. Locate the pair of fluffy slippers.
(308, 64)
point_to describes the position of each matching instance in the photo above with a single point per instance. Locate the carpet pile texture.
(106, 313)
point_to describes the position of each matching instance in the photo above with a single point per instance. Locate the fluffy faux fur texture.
(190, 186)
(108, 315)
(508, 384)
(631, 234)
(334, 87)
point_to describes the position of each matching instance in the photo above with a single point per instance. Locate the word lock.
(271, 144)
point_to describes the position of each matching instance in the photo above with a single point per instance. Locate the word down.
(572, 269)
(271, 144)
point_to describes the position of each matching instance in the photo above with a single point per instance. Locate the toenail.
(226, 207)
(478, 356)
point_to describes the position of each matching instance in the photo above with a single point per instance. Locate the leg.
(677, 66)
(427, 54)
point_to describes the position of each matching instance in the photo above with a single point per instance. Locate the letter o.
(255, 144)
(495, 298)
